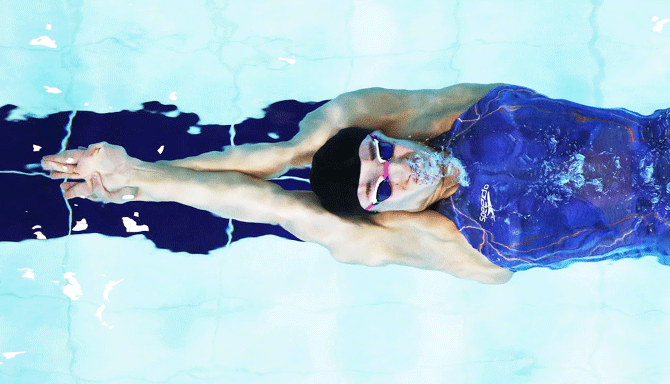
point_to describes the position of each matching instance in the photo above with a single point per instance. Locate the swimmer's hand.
(104, 168)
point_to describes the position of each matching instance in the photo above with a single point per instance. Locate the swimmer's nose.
(400, 171)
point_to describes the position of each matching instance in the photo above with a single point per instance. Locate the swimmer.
(478, 181)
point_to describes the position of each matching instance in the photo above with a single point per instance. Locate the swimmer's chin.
(425, 180)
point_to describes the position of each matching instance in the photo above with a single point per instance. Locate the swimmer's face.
(399, 188)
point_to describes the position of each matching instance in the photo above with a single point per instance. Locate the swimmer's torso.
(551, 182)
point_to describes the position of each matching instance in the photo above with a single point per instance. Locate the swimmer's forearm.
(227, 194)
(261, 160)
(268, 160)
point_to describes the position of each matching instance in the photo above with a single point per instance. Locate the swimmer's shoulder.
(440, 108)
(426, 240)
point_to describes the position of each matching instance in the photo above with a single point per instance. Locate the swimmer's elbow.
(499, 277)
(365, 263)
(360, 257)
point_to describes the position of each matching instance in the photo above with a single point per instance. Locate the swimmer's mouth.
(420, 179)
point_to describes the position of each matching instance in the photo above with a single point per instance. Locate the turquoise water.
(89, 308)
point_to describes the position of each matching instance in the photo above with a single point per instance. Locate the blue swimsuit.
(551, 182)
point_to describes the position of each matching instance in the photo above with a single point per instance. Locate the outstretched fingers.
(65, 173)
(64, 164)
(70, 156)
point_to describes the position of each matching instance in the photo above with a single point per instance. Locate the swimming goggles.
(382, 190)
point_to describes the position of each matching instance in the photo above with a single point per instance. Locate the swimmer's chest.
(521, 191)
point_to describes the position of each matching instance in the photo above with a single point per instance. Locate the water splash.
(430, 168)
(575, 172)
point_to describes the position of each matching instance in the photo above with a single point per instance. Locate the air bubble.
(431, 168)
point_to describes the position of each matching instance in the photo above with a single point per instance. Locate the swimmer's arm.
(261, 160)
(403, 114)
(235, 195)
(406, 114)
(268, 160)
(415, 114)
(106, 173)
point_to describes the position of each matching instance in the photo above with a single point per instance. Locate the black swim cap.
(336, 169)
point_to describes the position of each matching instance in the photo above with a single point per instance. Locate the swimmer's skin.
(232, 183)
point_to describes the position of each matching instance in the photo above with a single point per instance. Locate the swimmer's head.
(360, 171)
(336, 168)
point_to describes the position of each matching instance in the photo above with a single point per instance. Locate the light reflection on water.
(274, 310)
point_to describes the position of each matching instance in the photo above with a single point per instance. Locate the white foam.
(659, 25)
(11, 355)
(52, 90)
(45, 41)
(430, 168)
(30, 274)
(647, 171)
(598, 184)
(109, 287)
(81, 225)
(463, 178)
(290, 61)
(575, 172)
(131, 225)
(73, 289)
(98, 313)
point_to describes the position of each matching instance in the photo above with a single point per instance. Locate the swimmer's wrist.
(143, 175)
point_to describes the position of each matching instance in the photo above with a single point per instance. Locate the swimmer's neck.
(455, 176)
(448, 186)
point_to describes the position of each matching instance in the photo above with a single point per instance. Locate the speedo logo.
(487, 208)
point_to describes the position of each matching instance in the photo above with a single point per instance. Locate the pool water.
(146, 293)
